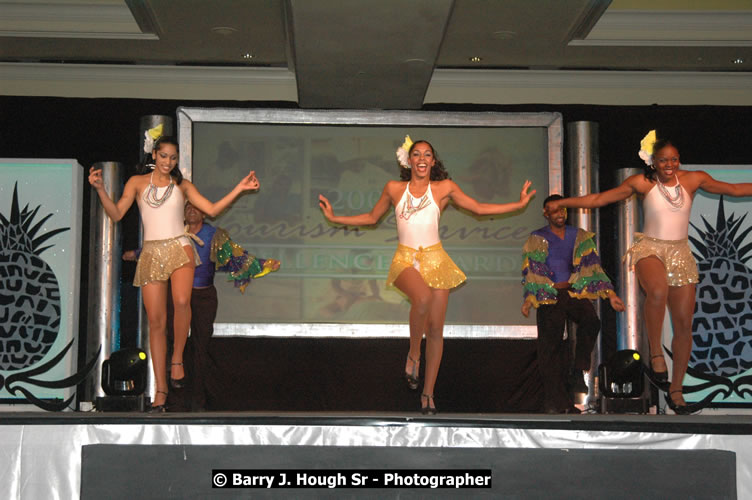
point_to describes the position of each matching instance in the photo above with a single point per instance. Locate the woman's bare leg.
(434, 341)
(155, 302)
(651, 274)
(681, 304)
(181, 282)
(411, 284)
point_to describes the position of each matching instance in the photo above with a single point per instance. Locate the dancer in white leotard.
(419, 244)
(661, 256)
(167, 253)
(421, 268)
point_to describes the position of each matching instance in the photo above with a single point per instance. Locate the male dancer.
(561, 274)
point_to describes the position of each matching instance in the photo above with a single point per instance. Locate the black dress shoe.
(428, 409)
(412, 378)
(159, 408)
(177, 383)
(658, 379)
(679, 409)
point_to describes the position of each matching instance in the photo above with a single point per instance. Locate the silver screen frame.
(551, 121)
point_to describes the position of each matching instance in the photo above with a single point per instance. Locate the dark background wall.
(92, 130)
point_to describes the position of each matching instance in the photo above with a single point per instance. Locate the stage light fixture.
(622, 376)
(124, 374)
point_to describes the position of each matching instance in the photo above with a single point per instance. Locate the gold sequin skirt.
(159, 258)
(434, 265)
(681, 268)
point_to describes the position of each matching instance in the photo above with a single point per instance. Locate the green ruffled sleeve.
(589, 280)
(242, 267)
(538, 287)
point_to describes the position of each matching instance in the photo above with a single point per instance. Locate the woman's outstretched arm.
(114, 211)
(596, 200)
(247, 183)
(707, 183)
(366, 219)
(468, 203)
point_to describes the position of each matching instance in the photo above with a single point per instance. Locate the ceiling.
(363, 54)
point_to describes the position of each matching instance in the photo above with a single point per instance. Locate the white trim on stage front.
(359, 331)
(43, 460)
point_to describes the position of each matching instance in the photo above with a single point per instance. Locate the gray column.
(583, 179)
(628, 322)
(148, 122)
(105, 258)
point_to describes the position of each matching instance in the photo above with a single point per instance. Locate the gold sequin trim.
(159, 259)
(681, 268)
(434, 265)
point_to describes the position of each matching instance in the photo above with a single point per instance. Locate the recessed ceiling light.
(248, 55)
(476, 59)
(504, 34)
(738, 60)
(224, 30)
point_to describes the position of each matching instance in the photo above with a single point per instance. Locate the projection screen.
(332, 279)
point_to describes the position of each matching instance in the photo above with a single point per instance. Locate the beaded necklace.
(410, 207)
(677, 201)
(150, 196)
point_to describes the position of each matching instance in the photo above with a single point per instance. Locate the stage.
(173, 455)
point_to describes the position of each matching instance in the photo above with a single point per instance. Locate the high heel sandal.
(159, 408)
(428, 409)
(177, 383)
(412, 378)
(658, 379)
(678, 409)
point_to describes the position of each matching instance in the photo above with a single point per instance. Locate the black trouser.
(203, 314)
(554, 351)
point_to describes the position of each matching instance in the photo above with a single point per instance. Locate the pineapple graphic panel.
(29, 291)
(722, 323)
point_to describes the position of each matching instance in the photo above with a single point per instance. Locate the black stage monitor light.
(124, 374)
(621, 376)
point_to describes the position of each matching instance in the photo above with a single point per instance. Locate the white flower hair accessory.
(646, 148)
(150, 136)
(403, 152)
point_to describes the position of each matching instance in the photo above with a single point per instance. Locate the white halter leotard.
(417, 219)
(167, 220)
(662, 220)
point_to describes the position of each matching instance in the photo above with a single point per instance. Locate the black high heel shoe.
(177, 383)
(678, 409)
(428, 409)
(658, 379)
(159, 408)
(412, 378)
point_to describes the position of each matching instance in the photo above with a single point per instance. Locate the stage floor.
(48, 450)
(712, 423)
